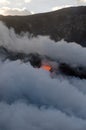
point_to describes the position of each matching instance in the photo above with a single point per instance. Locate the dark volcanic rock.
(68, 24)
(36, 61)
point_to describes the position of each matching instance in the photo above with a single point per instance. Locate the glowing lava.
(46, 67)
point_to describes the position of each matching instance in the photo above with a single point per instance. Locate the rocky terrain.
(68, 24)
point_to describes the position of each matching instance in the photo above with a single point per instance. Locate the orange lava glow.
(46, 67)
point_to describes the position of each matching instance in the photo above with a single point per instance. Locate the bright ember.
(46, 67)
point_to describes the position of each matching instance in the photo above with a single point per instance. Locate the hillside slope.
(68, 24)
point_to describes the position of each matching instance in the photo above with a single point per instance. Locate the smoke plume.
(29, 97)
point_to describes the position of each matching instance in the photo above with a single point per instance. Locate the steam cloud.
(29, 98)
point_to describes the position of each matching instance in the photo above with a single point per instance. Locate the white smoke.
(29, 98)
(71, 53)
